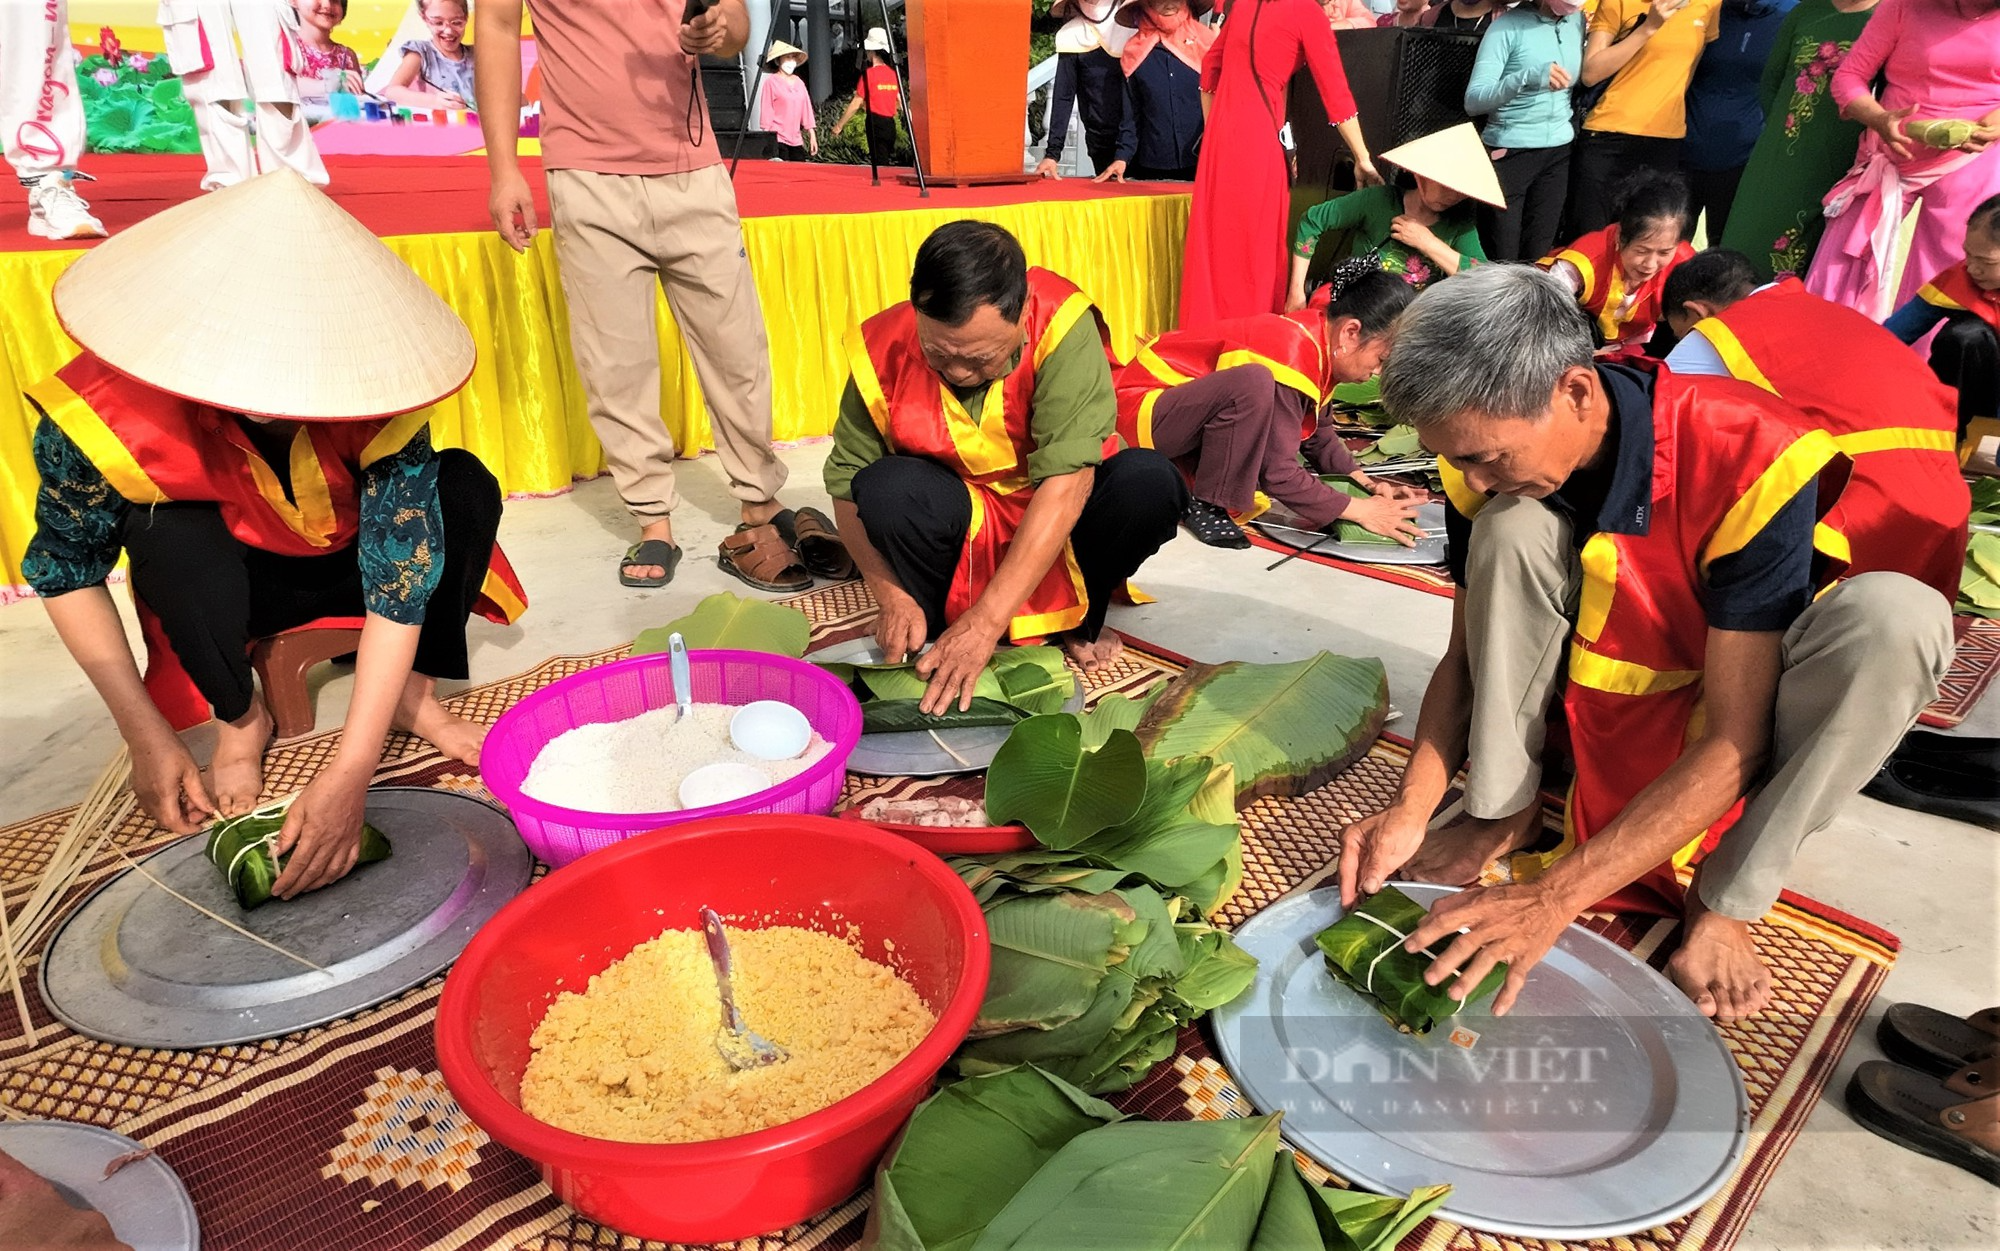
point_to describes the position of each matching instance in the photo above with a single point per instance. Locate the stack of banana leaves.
(1020, 1159)
(245, 848)
(1979, 584)
(1019, 682)
(1102, 949)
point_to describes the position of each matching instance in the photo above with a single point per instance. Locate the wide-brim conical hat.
(266, 298)
(782, 49)
(1454, 157)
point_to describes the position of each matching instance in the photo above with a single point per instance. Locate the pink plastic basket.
(627, 688)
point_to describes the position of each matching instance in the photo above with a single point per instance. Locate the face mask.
(1563, 8)
(788, 67)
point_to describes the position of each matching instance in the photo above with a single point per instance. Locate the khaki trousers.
(617, 235)
(1860, 664)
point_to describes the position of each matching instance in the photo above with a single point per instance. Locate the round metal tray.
(1602, 1105)
(1430, 550)
(920, 755)
(134, 965)
(145, 1202)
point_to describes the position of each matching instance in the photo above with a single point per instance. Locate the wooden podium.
(969, 89)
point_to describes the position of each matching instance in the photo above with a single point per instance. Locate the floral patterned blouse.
(78, 519)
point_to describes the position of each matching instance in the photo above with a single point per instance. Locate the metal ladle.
(741, 1046)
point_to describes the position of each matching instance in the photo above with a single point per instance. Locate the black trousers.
(1135, 172)
(1712, 191)
(881, 132)
(214, 595)
(1966, 354)
(1535, 183)
(792, 152)
(917, 514)
(1603, 160)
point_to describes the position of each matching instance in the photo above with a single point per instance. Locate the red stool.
(281, 662)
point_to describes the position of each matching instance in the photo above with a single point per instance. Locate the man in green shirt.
(971, 470)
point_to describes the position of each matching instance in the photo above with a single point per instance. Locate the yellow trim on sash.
(395, 436)
(978, 521)
(311, 518)
(1832, 543)
(1614, 295)
(1977, 431)
(1600, 583)
(1584, 268)
(1930, 295)
(1624, 677)
(1152, 363)
(1896, 439)
(1144, 432)
(1072, 310)
(868, 384)
(1285, 374)
(1731, 350)
(495, 588)
(983, 446)
(1774, 488)
(1046, 623)
(74, 416)
(1467, 501)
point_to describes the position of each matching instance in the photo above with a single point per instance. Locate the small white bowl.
(770, 730)
(722, 782)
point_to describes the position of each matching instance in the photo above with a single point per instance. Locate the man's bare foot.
(236, 771)
(758, 514)
(1718, 966)
(663, 530)
(1456, 854)
(1093, 654)
(420, 713)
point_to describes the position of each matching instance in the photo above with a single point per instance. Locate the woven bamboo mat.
(1973, 667)
(344, 1137)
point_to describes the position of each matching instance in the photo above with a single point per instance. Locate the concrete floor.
(1933, 882)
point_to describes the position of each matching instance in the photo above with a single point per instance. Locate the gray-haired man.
(1663, 543)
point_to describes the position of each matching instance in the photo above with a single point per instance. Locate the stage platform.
(826, 248)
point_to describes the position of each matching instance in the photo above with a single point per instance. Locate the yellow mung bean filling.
(633, 1058)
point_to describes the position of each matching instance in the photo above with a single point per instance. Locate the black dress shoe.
(1213, 525)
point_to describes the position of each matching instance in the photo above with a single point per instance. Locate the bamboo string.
(261, 941)
(947, 749)
(14, 980)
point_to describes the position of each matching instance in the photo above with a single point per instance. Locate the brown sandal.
(1956, 1120)
(820, 547)
(760, 557)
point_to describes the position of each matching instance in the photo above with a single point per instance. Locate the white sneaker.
(56, 211)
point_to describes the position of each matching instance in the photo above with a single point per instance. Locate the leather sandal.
(819, 545)
(1956, 1120)
(1936, 1042)
(760, 557)
(649, 552)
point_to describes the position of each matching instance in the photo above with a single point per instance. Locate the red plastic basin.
(755, 871)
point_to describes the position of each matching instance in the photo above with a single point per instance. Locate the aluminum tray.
(1429, 550)
(145, 1202)
(134, 965)
(1602, 1105)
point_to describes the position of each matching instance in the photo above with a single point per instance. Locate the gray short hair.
(1494, 340)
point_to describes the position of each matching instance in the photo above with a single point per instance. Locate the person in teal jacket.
(1521, 83)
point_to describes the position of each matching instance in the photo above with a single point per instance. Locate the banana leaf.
(1043, 778)
(967, 1150)
(1364, 950)
(1217, 969)
(1375, 1222)
(903, 716)
(724, 620)
(1019, 682)
(244, 848)
(1192, 1185)
(1286, 729)
(1050, 954)
(1114, 712)
(1163, 841)
(1984, 552)
(1351, 531)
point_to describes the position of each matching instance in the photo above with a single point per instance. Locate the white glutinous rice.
(636, 765)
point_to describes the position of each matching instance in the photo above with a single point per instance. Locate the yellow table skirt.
(523, 411)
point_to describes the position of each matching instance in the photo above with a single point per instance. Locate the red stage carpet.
(442, 195)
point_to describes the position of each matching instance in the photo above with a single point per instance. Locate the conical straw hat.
(780, 49)
(1454, 157)
(269, 299)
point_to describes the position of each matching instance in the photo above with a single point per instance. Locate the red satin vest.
(917, 415)
(1293, 346)
(1604, 287)
(1955, 292)
(156, 448)
(1726, 458)
(1906, 503)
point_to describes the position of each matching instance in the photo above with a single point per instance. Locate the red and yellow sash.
(1955, 292)
(1726, 459)
(155, 448)
(918, 415)
(1906, 503)
(1293, 346)
(1605, 289)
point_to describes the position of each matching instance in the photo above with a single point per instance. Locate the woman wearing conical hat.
(254, 437)
(1421, 226)
(785, 107)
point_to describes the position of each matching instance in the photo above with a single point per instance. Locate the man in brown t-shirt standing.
(640, 195)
